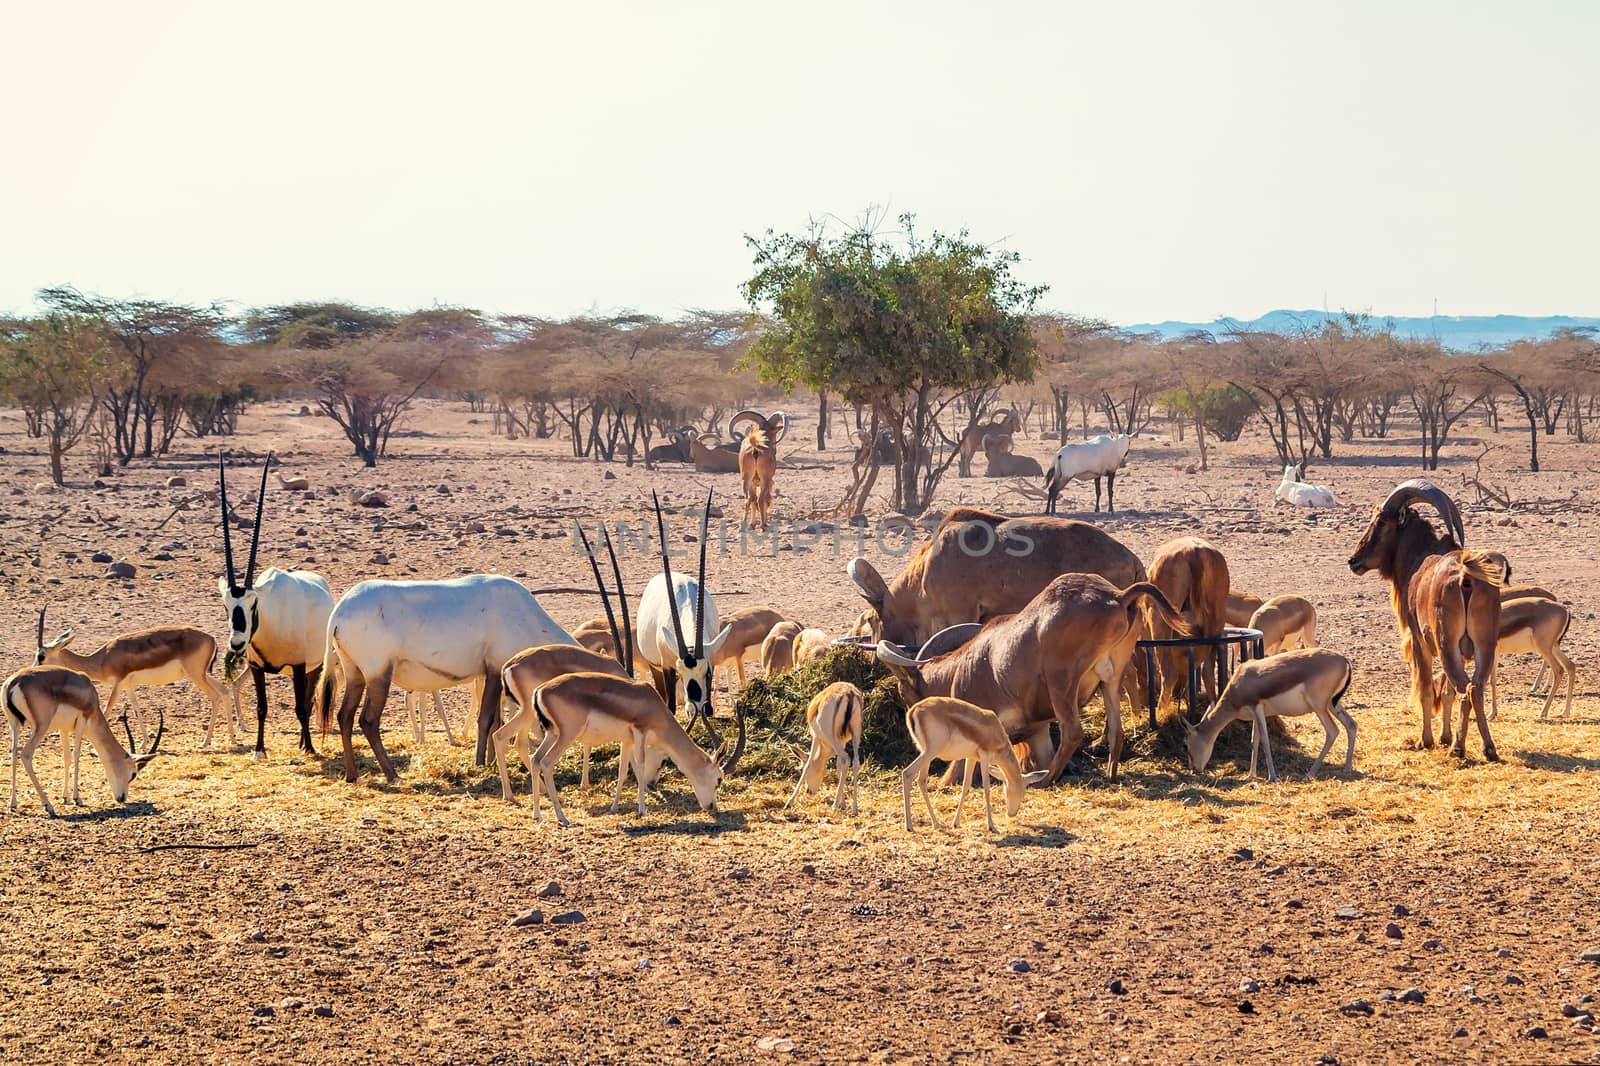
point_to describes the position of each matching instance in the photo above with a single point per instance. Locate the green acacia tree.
(905, 326)
(49, 368)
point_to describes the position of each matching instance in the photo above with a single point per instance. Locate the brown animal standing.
(747, 629)
(811, 644)
(758, 461)
(51, 699)
(1442, 594)
(777, 651)
(834, 719)
(1286, 622)
(1241, 605)
(946, 728)
(149, 657)
(1194, 576)
(1533, 625)
(1044, 662)
(1308, 681)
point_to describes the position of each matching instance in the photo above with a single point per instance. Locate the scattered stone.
(1357, 1006)
(532, 917)
(163, 557)
(177, 481)
(1537, 1032)
(1347, 914)
(1241, 855)
(1571, 1010)
(122, 570)
(1116, 987)
(858, 520)
(1514, 979)
(263, 1011)
(567, 918)
(551, 890)
(1434, 944)
(1502, 953)
(1246, 1007)
(101, 557)
(778, 1045)
(1591, 954)
(1047, 1017)
(374, 498)
(672, 1019)
(808, 870)
(1473, 997)
(1392, 931)
(1460, 1033)
(1019, 966)
(1247, 985)
(609, 476)
(1402, 911)
(442, 490)
(1411, 995)
(739, 873)
(322, 1011)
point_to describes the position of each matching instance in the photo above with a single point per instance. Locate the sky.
(1146, 160)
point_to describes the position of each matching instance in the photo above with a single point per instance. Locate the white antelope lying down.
(50, 699)
(149, 657)
(947, 728)
(834, 717)
(1309, 681)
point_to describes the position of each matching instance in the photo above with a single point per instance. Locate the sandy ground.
(1171, 916)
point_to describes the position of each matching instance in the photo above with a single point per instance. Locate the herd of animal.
(995, 651)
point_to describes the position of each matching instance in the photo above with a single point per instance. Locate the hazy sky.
(1147, 160)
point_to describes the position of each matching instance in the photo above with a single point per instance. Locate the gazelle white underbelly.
(161, 675)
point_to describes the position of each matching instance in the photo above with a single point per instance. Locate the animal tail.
(505, 687)
(1487, 566)
(1158, 606)
(1349, 676)
(538, 709)
(6, 695)
(325, 690)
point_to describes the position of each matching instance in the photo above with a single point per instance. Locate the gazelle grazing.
(277, 623)
(1286, 622)
(1241, 605)
(811, 644)
(666, 602)
(777, 651)
(527, 670)
(948, 728)
(747, 630)
(1309, 681)
(834, 717)
(758, 461)
(148, 657)
(52, 699)
(1533, 626)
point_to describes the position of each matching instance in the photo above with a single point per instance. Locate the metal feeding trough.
(1248, 643)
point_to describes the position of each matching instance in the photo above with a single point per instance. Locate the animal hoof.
(1491, 755)
(258, 756)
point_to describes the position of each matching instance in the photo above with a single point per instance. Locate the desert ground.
(1172, 915)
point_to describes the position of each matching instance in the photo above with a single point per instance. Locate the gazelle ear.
(1188, 729)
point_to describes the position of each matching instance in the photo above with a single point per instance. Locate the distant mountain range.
(1456, 332)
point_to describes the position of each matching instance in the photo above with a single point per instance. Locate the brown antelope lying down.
(148, 657)
(1310, 681)
(946, 728)
(834, 719)
(1286, 622)
(49, 699)
(1534, 626)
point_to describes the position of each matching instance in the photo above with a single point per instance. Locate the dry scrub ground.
(1170, 917)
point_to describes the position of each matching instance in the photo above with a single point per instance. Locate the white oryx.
(276, 624)
(1095, 458)
(422, 636)
(663, 620)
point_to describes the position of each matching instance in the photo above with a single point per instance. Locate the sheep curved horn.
(747, 415)
(1424, 491)
(777, 426)
(666, 568)
(894, 656)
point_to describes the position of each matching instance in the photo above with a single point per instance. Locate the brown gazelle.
(947, 728)
(777, 651)
(149, 657)
(747, 630)
(1530, 625)
(1308, 681)
(834, 718)
(1241, 605)
(52, 699)
(527, 670)
(599, 708)
(1286, 622)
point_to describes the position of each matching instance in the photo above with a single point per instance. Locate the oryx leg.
(1111, 492)
(259, 676)
(372, 719)
(355, 687)
(488, 712)
(305, 680)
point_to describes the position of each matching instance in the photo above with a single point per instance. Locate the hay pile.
(776, 713)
